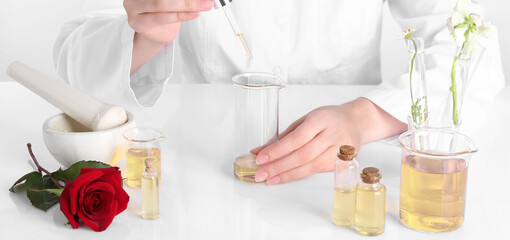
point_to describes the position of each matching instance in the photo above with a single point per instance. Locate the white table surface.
(200, 199)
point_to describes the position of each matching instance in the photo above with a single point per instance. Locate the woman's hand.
(309, 145)
(157, 22)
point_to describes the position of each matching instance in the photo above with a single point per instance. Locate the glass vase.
(417, 84)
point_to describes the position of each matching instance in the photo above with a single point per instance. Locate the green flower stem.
(453, 89)
(471, 28)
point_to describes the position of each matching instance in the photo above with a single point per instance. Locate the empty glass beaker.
(142, 143)
(256, 119)
(433, 179)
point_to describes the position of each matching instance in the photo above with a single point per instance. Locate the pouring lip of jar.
(156, 132)
(271, 80)
(471, 145)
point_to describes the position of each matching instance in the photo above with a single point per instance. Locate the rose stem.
(39, 168)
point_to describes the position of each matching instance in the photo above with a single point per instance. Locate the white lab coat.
(305, 42)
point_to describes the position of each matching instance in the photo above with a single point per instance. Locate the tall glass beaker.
(433, 179)
(256, 119)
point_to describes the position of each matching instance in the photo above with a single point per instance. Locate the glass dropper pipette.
(239, 34)
(233, 23)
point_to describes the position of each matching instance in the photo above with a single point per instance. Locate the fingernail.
(262, 159)
(274, 180)
(260, 176)
(207, 4)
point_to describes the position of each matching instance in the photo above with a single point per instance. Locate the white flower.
(485, 29)
(463, 7)
(408, 34)
(476, 19)
(471, 44)
(457, 34)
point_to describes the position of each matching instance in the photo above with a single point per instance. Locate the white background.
(29, 27)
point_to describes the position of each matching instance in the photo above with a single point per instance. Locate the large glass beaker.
(256, 119)
(433, 179)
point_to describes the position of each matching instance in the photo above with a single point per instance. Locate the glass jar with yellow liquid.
(346, 178)
(370, 215)
(142, 143)
(433, 179)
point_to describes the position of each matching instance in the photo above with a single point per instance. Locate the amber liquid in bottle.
(432, 193)
(135, 164)
(245, 168)
(344, 206)
(150, 190)
(346, 179)
(370, 216)
(150, 197)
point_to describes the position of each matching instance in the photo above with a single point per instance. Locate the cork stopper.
(149, 165)
(370, 175)
(346, 153)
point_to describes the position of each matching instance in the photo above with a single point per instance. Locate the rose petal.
(75, 186)
(64, 200)
(112, 171)
(103, 224)
(101, 190)
(120, 194)
(106, 171)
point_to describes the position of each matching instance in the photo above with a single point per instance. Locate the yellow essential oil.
(433, 193)
(370, 216)
(245, 168)
(150, 191)
(344, 206)
(346, 178)
(135, 164)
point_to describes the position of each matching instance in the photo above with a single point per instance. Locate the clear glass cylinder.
(417, 83)
(255, 119)
(434, 178)
(142, 143)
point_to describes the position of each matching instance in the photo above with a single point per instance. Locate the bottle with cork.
(150, 190)
(346, 178)
(370, 213)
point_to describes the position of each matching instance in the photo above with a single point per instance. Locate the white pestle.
(81, 107)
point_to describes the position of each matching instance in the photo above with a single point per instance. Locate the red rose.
(96, 196)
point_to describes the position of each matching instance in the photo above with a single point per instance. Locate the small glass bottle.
(150, 190)
(346, 173)
(370, 214)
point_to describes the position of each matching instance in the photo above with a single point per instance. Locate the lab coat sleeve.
(93, 54)
(429, 19)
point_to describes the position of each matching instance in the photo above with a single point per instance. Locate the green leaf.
(35, 184)
(25, 177)
(74, 170)
(56, 191)
(47, 182)
(42, 199)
